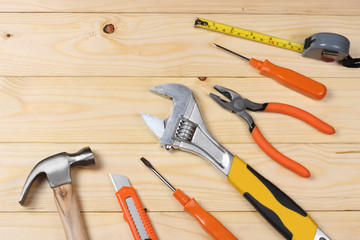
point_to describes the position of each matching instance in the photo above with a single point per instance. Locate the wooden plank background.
(347, 7)
(65, 84)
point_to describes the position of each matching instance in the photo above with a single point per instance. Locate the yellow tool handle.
(274, 205)
(248, 34)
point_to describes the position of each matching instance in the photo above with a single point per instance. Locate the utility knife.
(134, 213)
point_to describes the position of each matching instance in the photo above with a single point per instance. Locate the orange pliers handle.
(275, 154)
(129, 192)
(239, 105)
(300, 114)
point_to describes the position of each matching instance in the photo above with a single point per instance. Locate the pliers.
(185, 130)
(239, 105)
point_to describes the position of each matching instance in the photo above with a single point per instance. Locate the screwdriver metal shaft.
(208, 222)
(228, 50)
(148, 164)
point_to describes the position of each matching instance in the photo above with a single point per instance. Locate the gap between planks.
(184, 13)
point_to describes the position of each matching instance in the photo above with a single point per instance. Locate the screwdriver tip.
(223, 48)
(146, 162)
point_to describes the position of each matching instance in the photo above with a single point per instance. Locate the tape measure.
(327, 47)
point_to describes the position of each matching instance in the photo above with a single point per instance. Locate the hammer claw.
(57, 169)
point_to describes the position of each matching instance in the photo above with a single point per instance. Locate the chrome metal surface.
(319, 235)
(119, 181)
(228, 50)
(57, 169)
(185, 130)
(197, 138)
(180, 96)
(150, 166)
(156, 125)
(236, 104)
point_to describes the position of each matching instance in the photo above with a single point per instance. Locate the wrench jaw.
(182, 97)
(320, 235)
(185, 128)
(193, 136)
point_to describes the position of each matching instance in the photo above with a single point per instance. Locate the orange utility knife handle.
(290, 79)
(300, 114)
(124, 193)
(209, 223)
(277, 156)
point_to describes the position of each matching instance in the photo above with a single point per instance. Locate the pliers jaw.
(237, 104)
(229, 94)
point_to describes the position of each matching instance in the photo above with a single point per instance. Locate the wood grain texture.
(107, 110)
(169, 225)
(69, 44)
(334, 183)
(69, 211)
(349, 7)
(65, 84)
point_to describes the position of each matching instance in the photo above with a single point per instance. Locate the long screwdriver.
(210, 224)
(285, 76)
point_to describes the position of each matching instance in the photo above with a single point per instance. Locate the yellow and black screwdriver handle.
(274, 205)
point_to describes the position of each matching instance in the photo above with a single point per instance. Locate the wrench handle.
(274, 205)
(69, 211)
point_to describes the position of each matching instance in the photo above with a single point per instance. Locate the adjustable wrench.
(184, 129)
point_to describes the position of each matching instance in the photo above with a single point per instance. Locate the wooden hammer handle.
(69, 211)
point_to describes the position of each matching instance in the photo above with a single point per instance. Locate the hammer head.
(57, 169)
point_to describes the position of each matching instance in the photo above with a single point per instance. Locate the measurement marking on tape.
(247, 34)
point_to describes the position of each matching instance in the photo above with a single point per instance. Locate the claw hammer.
(57, 170)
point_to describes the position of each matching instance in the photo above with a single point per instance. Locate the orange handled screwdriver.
(210, 224)
(286, 77)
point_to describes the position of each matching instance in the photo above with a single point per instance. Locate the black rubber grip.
(282, 198)
(270, 216)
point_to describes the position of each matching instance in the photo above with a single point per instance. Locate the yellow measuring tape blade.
(247, 34)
